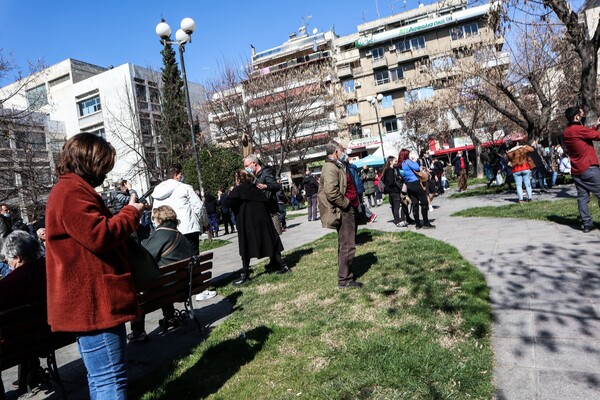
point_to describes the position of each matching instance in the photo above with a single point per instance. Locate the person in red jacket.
(90, 288)
(584, 161)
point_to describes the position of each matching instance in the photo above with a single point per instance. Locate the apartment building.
(286, 103)
(122, 104)
(403, 58)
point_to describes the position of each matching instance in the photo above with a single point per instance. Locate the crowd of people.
(79, 246)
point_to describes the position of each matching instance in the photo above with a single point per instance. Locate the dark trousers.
(194, 239)
(585, 183)
(227, 222)
(282, 215)
(395, 204)
(139, 324)
(418, 197)
(312, 207)
(346, 246)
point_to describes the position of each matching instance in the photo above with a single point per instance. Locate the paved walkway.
(545, 291)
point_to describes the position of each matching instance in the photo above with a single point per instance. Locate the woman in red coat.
(90, 287)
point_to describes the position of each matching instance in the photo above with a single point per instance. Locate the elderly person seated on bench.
(167, 245)
(25, 284)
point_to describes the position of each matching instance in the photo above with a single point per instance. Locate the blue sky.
(112, 32)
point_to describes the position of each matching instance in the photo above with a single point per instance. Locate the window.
(485, 54)
(154, 95)
(390, 125)
(377, 53)
(418, 94)
(387, 102)
(89, 106)
(352, 109)
(37, 97)
(460, 32)
(442, 63)
(356, 131)
(30, 140)
(140, 92)
(348, 86)
(417, 43)
(382, 77)
(411, 44)
(397, 74)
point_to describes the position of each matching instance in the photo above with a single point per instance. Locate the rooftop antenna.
(377, 8)
(302, 29)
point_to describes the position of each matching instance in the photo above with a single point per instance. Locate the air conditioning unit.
(343, 115)
(356, 84)
(422, 68)
(392, 48)
(368, 53)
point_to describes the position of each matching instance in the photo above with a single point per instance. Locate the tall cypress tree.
(175, 126)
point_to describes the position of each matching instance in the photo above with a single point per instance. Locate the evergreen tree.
(175, 126)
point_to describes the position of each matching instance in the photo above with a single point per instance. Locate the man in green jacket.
(338, 200)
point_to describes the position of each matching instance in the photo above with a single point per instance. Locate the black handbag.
(143, 265)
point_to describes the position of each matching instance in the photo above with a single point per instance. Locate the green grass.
(419, 329)
(289, 216)
(564, 211)
(479, 191)
(206, 244)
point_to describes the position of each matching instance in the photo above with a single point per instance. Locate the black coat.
(390, 179)
(162, 239)
(266, 175)
(210, 202)
(257, 236)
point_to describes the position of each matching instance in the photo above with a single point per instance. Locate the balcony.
(349, 95)
(90, 119)
(387, 112)
(345, 57)
(379, 62)
(392, 85)
(352, 119)
(343, 71)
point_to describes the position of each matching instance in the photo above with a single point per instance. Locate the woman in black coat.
(257, 236)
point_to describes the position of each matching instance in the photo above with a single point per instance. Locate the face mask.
(582, 120)
(6, 215)
(249, 170)
(344, 157)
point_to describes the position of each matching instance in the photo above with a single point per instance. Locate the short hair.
(122, 182)
(21, 244)
(243, 176)
(163, 214)
(331, 147)
(571, 112)
(251, 158)
(4, 205)
(87, 155)
(174, 170)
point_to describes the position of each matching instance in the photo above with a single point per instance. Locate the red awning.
(512, 137)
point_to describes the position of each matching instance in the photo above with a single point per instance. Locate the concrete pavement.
(545, 292)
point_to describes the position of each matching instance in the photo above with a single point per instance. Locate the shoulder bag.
(143, 265)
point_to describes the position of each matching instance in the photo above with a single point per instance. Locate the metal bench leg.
(53, 371)
(189, 306)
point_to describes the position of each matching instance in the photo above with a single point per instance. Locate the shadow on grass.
(364, 237)
(217, 365)
(571, 222)
(293, 258)
(363, 263)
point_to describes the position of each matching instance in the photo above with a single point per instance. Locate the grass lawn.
(480, 191)
(562, 211)
(206, 244)
(419, 329)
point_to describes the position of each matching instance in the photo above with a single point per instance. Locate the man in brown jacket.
(338, 200)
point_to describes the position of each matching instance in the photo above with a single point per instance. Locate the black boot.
(284, 269)
(244, 277)
(426, 223)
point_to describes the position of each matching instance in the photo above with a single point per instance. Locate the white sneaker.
(430, 208)
(207, 294)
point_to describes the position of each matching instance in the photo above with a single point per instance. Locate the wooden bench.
(25, 335)
(177, 283)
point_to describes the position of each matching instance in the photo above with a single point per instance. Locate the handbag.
(143, 265)
(277, 223)
(423, 175)
(361, 215)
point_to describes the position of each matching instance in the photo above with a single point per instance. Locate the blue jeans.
(539, 176)
(294, 203)
(520, 177)
(585, 183)
(489, 174)
(103, 353)
(213, 223)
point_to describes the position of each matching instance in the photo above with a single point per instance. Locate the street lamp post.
(183, 36)
(373, 101)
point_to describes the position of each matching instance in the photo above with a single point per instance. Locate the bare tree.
(281, 114)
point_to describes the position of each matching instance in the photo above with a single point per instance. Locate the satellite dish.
(315, 31)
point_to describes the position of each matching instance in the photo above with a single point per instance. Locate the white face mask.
(249, 170)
